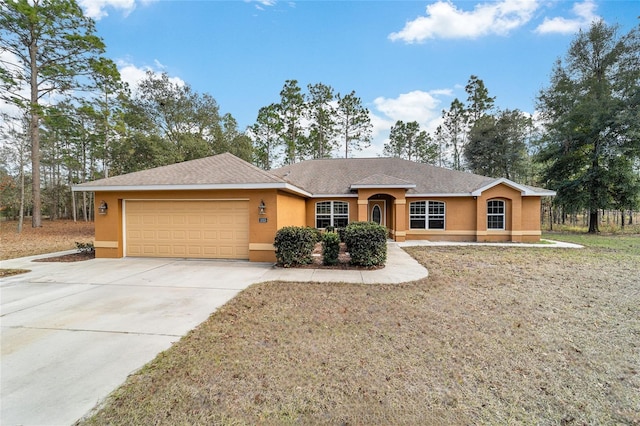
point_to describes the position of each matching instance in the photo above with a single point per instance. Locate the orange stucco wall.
(109, 239)
(465, 217)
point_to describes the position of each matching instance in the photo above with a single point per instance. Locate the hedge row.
(366, 243)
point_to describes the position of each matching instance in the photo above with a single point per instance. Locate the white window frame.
(493, 214)
(427, 216)
(332, 215)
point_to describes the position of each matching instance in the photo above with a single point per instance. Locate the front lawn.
(493, 336)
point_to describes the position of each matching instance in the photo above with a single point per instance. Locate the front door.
(378, 212)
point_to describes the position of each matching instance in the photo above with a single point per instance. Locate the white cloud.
(585, 15)
(423, 107)
(261, 4)
(97, 9)
(132, 74)
(445, 20)
(418, 106)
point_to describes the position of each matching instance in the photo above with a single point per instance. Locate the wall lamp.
(102, 209)
(262, 207)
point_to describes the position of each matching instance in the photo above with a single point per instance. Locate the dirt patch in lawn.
(4, 273)
(53, 236)
(493, 336)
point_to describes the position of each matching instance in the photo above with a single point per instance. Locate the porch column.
(400, 225)
(363, 210)
(516, 220)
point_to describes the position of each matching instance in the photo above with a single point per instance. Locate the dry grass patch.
(493, 336)
(56, 235)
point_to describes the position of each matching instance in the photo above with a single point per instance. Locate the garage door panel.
(210, 235)
(186, 228)
(194, 220)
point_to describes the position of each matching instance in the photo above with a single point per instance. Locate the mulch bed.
(343, 261)
(72, 257)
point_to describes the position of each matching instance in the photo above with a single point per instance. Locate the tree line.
(73, 119)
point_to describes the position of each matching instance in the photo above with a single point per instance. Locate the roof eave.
(524, 191)
(190, 187)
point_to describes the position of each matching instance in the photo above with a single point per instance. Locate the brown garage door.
(187, 228)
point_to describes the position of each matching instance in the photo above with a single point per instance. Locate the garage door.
(194, 229)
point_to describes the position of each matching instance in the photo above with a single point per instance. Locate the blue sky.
(406, 60)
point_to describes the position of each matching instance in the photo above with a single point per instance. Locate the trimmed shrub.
(367, 243)
(340, 232)
(294, 245)
(316, 233)
(330, 248)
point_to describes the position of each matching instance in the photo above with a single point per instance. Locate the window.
(332, 213)
(376, 215)
(495, 214)
(426, 215)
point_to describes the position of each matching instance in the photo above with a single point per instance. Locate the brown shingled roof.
(335, 176)
(218, 169)
(381, 180)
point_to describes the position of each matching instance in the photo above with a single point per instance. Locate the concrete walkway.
(400, 268)
(542, 244)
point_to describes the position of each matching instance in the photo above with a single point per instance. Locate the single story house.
(223, 207)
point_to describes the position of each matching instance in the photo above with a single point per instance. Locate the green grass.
(619, 242)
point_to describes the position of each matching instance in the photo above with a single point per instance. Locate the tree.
(15, 151)
(441, 143)
(322, 125)
(353, 122)
(407, 141)
(235, 142)
(291, 111)
(480, 103)
(189, 120)
(107, 81)
(139, 144)
(265, 132)
(497, 145)
(454, 125)
(51, 44)
(591, 113)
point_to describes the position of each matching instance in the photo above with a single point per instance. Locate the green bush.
(367, 243)
(294, 245)
(340, 232)
(316, 234)
(330, 248)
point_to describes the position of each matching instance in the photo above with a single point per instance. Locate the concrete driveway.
(73, 332)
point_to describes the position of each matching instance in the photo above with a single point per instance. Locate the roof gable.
(223, 169)
(524, 190)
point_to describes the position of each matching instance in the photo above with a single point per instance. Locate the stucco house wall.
(290, 195)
